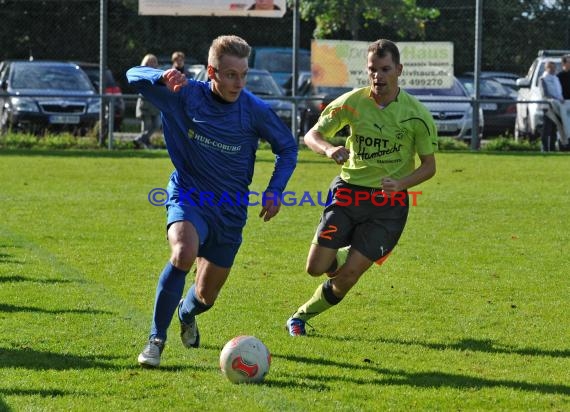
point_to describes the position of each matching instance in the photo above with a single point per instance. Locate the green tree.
(333, 17)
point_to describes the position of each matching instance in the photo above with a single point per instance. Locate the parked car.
(507, 79)
(451, 110)
(110, 87)
(499, 116)
(318, 97)
(279, 62)
(262, 84)
(36, 96)
(529, 115)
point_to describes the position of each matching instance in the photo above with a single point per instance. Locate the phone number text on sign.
(422, 82)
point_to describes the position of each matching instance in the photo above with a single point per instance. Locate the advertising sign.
(343, 63)
(236, 8)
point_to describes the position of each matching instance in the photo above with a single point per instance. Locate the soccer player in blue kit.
(211, 130)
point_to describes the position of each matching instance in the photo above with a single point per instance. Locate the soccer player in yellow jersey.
(362, 225)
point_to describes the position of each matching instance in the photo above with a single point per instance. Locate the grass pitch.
(471, 311)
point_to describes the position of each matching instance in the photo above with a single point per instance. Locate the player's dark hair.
(383, 47)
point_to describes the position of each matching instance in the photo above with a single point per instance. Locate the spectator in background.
(179, 63)
(551, 90)
(564, 77)
(263, 5)
(147, 112)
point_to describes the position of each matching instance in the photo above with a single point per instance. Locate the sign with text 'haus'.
(343, 63)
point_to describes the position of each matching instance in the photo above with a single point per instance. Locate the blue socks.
(168, 293)
(191, 306)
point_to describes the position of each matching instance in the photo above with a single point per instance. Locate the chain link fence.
(513, 32)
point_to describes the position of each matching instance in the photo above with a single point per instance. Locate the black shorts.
(363, 218)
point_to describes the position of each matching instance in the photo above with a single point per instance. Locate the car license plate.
(489, 106)
(64, 119)
(446, 127)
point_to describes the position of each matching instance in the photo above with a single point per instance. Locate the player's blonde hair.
(227, 45)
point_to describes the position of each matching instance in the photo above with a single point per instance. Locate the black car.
(110, 87)
(262, 84)
(317, 98)
(40, 96)
(500, 115)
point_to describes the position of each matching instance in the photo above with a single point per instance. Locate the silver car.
(529, 115)
(451, 110)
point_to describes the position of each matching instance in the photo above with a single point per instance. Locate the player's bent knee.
(183, 256)
(315, 270)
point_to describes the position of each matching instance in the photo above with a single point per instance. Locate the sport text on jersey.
(374, 147)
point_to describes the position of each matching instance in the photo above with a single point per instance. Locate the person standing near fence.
(564, 77)
(147, 112)
(551, 90)
(212, 131)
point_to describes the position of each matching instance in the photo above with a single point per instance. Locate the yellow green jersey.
(383, 141)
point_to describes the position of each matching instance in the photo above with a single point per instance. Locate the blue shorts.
(219, 240)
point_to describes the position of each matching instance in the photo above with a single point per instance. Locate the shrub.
(505, 144)
(448, 143)
(58, 141)
(18, 141)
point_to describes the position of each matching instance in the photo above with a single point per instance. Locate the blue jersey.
(212, 143)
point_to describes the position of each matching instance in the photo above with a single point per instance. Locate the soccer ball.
(245, 359)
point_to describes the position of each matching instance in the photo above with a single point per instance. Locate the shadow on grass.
(467, 344)
(4, 406)
(39, 360)
(13, 308)
(7, 258)
(20, 278)
(419, 379)
(44, 393)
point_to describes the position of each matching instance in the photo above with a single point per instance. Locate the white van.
(529, 115)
